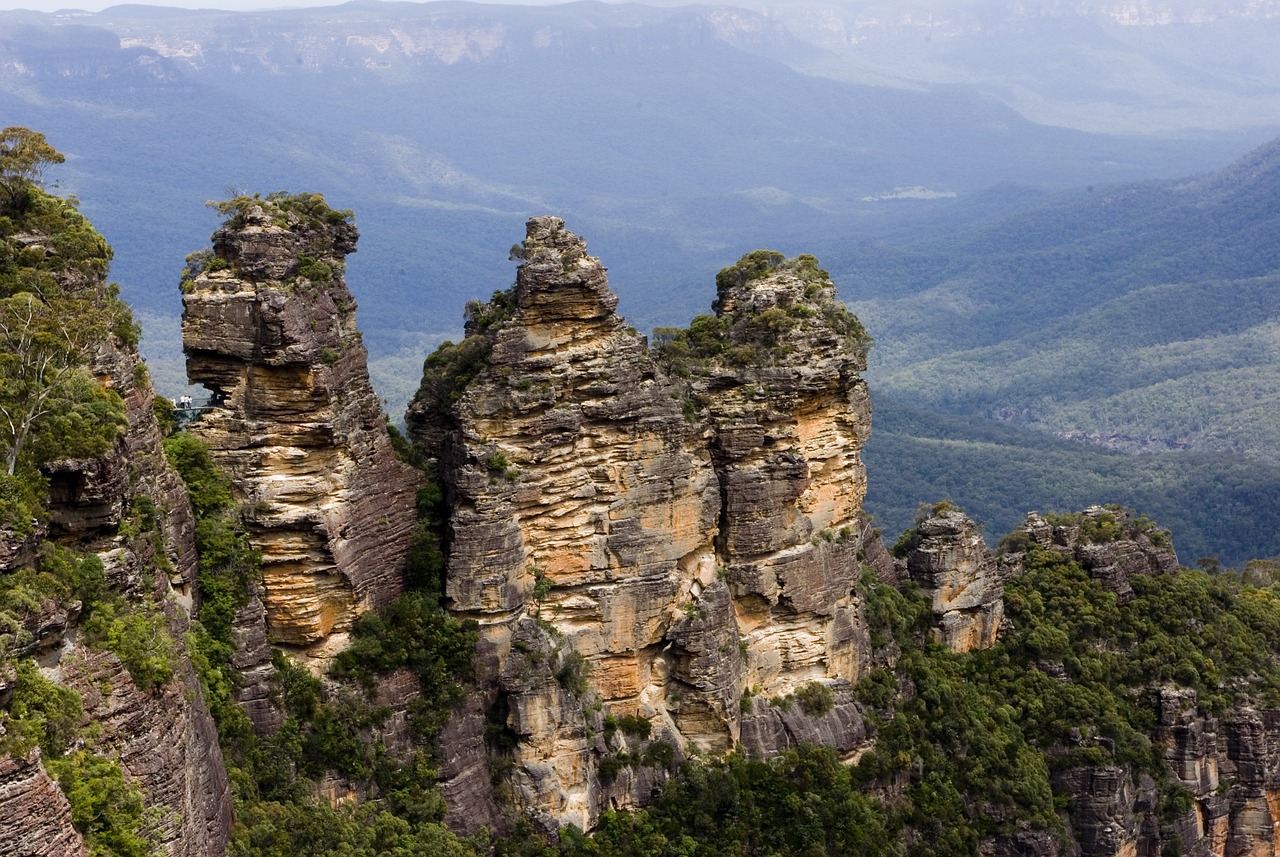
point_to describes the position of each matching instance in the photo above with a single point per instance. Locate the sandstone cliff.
(650, 535)
(269, 329)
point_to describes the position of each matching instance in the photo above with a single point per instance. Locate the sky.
(239, 5)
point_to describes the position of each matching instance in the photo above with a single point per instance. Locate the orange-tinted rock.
(683, 539)
(270, 331)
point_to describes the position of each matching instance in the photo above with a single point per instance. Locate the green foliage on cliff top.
(743, 338)
(752, 266)
(55, 310)
(24, 156)
(282, 207)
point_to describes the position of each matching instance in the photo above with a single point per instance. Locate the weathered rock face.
(1103, 816)
(653, 544)
(789, 419)
(269, 329)
(1227, 767)
(954, 566)
(36, 814)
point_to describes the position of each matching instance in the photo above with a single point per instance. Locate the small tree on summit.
(24, 156)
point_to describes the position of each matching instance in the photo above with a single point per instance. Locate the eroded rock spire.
(269, 328)
(651, 535)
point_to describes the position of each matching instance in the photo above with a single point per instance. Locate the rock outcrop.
(952, 564)
(1224, 767)
(650, 534)
(1109, 543)
(269, 329)
(789, 413)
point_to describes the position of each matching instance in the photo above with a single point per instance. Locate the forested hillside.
(1145, 312)
(1142, 320)
(1219, 504)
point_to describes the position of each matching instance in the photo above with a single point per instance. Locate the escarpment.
(96, 588)
(650, 535)
(269, 330)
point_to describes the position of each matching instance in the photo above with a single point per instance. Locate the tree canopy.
(56, 312)
(24, 156)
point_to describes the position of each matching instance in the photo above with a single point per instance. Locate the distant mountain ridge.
(677, 137)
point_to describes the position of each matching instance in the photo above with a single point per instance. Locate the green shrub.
(60, 575)
(572, 672)
(314, 270)
(208, 489)
(752, 266)
(415, 633)
(634, 725)
(105, 808)
(815, 698)
(139, 638)
(311, 828)
(22, 498)
(38, 713)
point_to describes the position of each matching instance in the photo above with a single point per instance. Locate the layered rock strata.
(789, 413)
(1226, 767)
(962, 578)
(269, 329)
(36, 813)
(642, 546)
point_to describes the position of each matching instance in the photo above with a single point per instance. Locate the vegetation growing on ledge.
(741, 337)
(910, 538)
(966, 744)
(452, 366)
(1110, 523)
(285, 210)
(37, 713)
